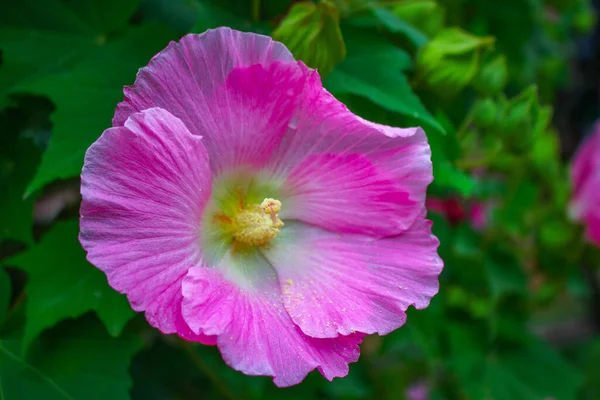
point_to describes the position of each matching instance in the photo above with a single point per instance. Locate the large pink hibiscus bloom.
(238, 203)
(585, 176)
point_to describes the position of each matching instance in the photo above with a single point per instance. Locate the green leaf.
(394, 94)
(74, 361)
(366, 48)
(525, 375)
(62, 284)
(492, 76)
(5, 293)
(18, 162)
(521, 372)
(485, 113)
(48, 36)
(312, 33)
(374, 71)
(444, 150)
(505, 273)
(395, 24)
(451, 60)
(426, 14)
(80, 57)
(212, 16)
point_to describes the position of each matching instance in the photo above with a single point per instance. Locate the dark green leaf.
(86, 97)
(62, 284)
(18, 162)
(526, 375)
(75, 361)
(212, 16)
(5, 292)
(384, 85)
(397, 25)
(505, 273)
(80, 58)
(43, 37)
(365, 49)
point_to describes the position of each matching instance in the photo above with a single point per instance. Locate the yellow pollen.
(257, 224)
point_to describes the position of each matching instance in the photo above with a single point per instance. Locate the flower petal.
(223, 85)
(352, 195)
(253, 111)
(586, 160)
(255, 334)
(144, 186)
(585, 176)
(324, 126)
(343, 283)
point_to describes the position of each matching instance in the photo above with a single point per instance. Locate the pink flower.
(585, 176)
(457, 212)
(238, 203)
(450, 207)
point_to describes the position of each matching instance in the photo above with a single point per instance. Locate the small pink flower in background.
(456, 212)
(585, 176)
(237, 203)
(479, 215)
(417, 391)
(448, 207)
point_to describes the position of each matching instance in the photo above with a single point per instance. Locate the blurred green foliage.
(477, 75)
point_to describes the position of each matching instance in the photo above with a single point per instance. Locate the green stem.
(190, 350)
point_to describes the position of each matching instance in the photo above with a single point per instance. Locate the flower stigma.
(256, 224)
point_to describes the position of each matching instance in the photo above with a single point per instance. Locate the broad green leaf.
(395, 24)
(86, 96)
(76, 360)
(312, 33)
(18, 161)
(366, 48)
(42, 37)
(80, 58)
(5, 292)
(62, 284)
(383, 84)
(518, 372)
(376, 16)
(394, 94)
(212, 16)
(195, 372)
(526, 375)
(179, 15)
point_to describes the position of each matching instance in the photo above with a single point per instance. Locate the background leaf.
(5, 293)
(93, 53)
(62, 284)
(77, 360)
(312, 33)
(382, 81)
